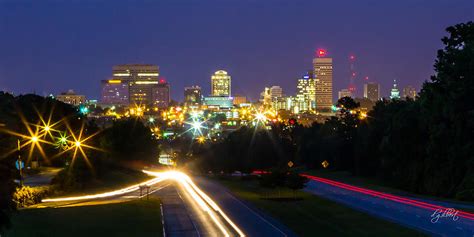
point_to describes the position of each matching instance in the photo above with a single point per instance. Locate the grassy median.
(314, 216)
(134, 218)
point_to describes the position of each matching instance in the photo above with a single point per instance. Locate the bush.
(27, 196)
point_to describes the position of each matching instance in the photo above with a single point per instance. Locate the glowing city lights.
(34, 139)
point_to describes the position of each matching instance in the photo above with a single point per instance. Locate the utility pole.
(20, 164)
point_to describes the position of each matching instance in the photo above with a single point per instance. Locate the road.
(413, 213)
(44, 177)
(250, 220)
(187, 210)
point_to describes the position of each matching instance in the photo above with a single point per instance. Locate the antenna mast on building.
(352, 87)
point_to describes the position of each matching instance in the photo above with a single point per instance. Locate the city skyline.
(255, 57)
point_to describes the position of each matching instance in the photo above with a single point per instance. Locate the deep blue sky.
(52, 46)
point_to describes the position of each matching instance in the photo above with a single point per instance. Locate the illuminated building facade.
(219, 101)
(409, 92)
(372, 91)
(306, 93)
(344, 93)
(283, 103)
(70, 97)
(161, 94)
(395, 93)
(143, 83)
(322, 68)
(221, 84)
(114, 92)
(240, 99)
(192, 95)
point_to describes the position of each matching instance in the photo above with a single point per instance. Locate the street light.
(34, 139)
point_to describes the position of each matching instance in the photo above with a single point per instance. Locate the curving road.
(413, 213)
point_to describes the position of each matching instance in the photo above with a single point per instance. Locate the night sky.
(52, 46)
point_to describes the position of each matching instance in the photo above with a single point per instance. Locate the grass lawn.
(134, 218)
(314, 216)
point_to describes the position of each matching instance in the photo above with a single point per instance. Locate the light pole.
(19, 164)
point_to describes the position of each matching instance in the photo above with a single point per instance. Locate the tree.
(129, 140)
(295, 181)
(448, 109)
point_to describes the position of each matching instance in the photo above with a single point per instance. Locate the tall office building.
(276, 91)
(142, 81)
(344, 93)
(409, 92)
(192, 95)
(161, 94)
(306, 93)
(322, 67)
(394, 92)
(221, 84)
(372, 91)
(270, 93)
(114, 92)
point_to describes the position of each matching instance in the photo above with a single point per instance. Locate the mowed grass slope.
(134, 218)
(314, 216)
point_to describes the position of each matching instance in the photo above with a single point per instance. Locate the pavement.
(42, 178)
(176, 219)
(248, 218)
(417, 215)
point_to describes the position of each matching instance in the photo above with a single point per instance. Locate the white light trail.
(204, 201)
(107, 194)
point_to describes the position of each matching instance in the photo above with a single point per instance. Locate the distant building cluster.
(138, 89)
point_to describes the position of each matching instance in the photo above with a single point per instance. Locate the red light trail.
(387, 196)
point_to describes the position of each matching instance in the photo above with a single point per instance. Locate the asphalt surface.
(248, 218)
(408, 215)
(44, 177)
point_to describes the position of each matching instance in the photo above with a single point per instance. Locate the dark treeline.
(424, 146)
(107, 150)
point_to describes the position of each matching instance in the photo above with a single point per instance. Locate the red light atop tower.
(321, 53)
(366, 78)
(162, 81)
(352, 57)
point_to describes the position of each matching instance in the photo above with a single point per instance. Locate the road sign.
(19, 165)
(325, 164)
(290, 164)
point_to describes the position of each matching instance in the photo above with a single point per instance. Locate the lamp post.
(19, 164)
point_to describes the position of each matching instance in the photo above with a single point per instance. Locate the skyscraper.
(344, 93)
(114, 92)
(409, 92)
(276, 91)
(142, 81)
(221, 84)
(372, 91)
(322, 67)
(306, 93)
(270, 93)
(394, 92)
(192, 95)
(161, 94)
